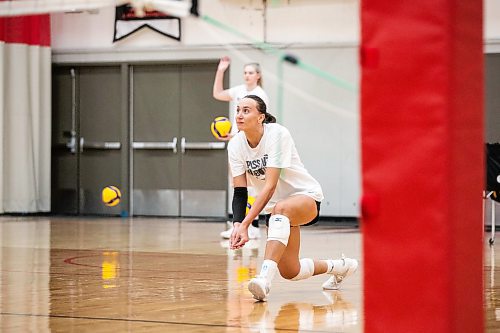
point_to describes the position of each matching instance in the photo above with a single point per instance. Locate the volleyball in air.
(220, 127)
(111, 196)
(250, 202)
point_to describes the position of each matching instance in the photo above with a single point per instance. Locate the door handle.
(156, 145)
(201, 145)
(174, 143)
(71, 143)
(105, 145)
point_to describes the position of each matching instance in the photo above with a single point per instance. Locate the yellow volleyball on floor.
(250, 202)
(111, 196)
(220, 127)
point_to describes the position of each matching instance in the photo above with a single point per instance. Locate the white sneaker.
(227, 234)
(259, 287)
(340, 273)
(253, 232)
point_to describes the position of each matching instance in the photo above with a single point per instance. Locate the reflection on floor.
(151, 274)
(170, 275)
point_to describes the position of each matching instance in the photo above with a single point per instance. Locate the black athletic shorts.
(314, 220)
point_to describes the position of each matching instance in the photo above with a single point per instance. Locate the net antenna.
(179, 8)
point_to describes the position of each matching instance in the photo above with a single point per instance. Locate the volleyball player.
(252, 77)
(265, 152)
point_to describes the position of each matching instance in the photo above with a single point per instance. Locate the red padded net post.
(422, 164)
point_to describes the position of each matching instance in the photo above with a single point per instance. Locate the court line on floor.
(72, 261)
(146, 321)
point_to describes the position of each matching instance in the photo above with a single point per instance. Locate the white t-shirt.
(276, 149)
(237, 93)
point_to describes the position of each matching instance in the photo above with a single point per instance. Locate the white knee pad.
(279, 229)
(306, 269)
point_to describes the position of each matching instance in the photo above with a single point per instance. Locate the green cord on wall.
(268, 48)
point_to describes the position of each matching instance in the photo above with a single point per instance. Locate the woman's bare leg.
(282, 252)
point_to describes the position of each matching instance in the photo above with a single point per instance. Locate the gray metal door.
(204, 167)
(179, 169)
(172, 165)
(156, 167)
(100, 104)
(64, 144)
(87, 128)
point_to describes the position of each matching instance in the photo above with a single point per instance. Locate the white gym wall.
(322, 117)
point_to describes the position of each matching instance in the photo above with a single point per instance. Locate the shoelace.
(342, 257)
(338, 278)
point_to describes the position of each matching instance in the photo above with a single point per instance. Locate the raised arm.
(218, 90)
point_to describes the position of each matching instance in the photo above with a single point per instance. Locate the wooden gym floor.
(170, 275)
